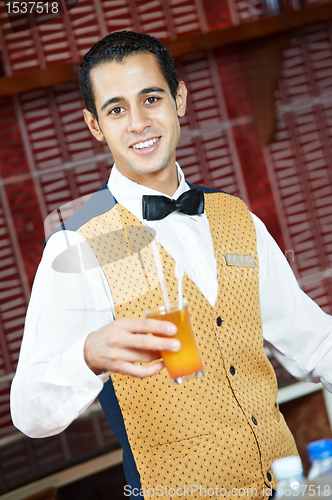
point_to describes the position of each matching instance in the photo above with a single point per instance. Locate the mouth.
(145, 144)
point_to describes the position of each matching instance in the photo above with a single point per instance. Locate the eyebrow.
(114, 100)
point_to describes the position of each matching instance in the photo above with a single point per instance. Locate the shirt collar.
(129, 194)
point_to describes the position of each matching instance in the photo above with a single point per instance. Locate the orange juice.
(186, 362)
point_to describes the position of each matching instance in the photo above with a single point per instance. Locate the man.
(85, 333)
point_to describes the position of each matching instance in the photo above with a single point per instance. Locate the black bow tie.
(157, 207)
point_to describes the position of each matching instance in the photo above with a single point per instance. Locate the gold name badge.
(240, 260)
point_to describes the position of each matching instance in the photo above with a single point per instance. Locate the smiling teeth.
(141, 145)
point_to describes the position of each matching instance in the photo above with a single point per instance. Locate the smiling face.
(138, 117)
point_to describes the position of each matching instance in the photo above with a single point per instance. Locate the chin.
(151, 168)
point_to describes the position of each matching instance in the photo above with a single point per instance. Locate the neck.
(165, 180)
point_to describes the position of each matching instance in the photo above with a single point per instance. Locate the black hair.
(117, 46)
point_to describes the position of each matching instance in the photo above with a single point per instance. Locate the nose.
(138, 120)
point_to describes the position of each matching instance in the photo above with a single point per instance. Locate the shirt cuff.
(82, 379)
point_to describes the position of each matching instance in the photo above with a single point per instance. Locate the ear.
(93, 125)
(181, 99)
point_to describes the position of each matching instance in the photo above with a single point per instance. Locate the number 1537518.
(30, 7)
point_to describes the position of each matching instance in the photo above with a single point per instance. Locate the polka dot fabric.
(222, 430)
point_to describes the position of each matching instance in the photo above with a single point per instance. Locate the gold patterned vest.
(216, 435)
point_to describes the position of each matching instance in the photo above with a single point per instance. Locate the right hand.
(118, 346)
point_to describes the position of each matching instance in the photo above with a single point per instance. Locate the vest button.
(254, 420)
(219, 321)
(232, 370)
(269, 477)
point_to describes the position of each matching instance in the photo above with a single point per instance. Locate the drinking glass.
(186, 362)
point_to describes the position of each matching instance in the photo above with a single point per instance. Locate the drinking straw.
(179, 273)
(161, 275)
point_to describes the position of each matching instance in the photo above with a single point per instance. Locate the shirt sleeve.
(69, 300)
(296, 330)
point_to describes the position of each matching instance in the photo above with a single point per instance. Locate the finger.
(148, 342)
(138, 370)
(149, 325)
(138, 355)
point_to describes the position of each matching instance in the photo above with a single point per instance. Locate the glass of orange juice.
(187, 361)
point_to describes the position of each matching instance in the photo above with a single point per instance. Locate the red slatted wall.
(299, 161)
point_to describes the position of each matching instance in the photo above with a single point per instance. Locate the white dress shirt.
(53, 384)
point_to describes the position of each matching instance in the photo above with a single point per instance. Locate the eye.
(116, 111)
(152, 99)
